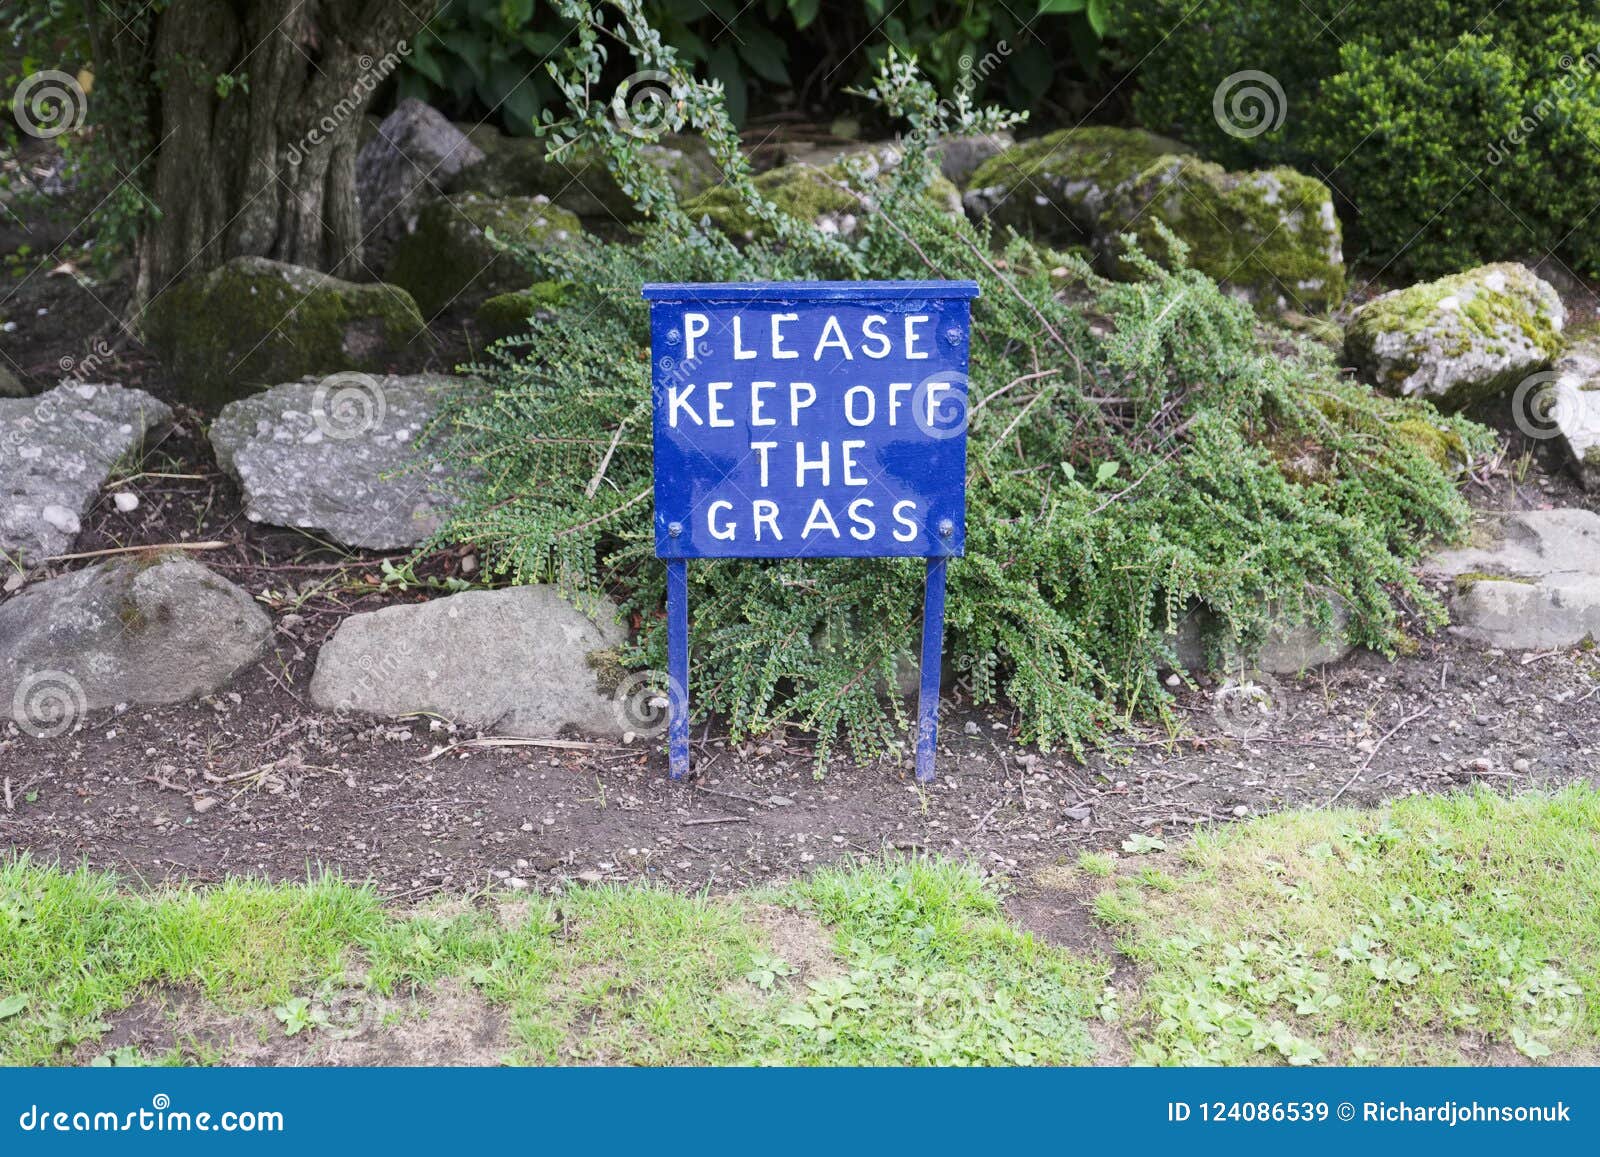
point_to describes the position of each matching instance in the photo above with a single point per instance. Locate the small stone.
(1241, 811)
(516, 883)
(971, 728)
(590, 877)
(204, 803)
(1174, 680)
(781, 801)
(1521, 766)
(125, 502)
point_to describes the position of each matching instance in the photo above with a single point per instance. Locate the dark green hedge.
(1455, 130)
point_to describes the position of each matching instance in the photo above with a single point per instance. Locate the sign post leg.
(932, 649)
(678, 666)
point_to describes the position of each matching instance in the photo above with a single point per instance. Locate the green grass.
(918, 968)
(1454, 929)
(1445, 929)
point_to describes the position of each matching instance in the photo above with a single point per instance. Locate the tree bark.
(256, 130)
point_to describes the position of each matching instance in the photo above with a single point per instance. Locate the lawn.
(1453, 929)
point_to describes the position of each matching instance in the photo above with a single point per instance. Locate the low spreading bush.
(1459, 132)
(1135, 448)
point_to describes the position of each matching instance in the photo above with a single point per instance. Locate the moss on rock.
(1458, 339)
(253, 322)
(818, 195)
(450, 256)
(507, 313)
(1270, 236)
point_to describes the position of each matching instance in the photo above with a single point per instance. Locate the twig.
(10, 806)
(519, 741)
(1366, 763)
(605, 461)
(717, 820)
(729, 795)
(139, 549)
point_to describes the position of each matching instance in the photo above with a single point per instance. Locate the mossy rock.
(581, 183)
(508, 313)
(254, 322)
(450, 256)
(1459, 339)
(1271, 236)
(820, 196)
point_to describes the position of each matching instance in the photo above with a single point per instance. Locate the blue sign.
(809, 420)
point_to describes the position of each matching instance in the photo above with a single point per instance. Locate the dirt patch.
(447, 1024)
(799, 939)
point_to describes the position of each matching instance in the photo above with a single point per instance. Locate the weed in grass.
(1401, 936)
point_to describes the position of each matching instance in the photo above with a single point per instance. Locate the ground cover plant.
(1439, 929)
(1136, 448)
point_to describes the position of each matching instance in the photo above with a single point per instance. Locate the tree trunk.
(256, 130)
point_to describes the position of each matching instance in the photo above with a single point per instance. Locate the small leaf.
(1106, 472)
(12, 1005)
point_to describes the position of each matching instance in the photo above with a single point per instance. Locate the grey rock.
(520, 661)
(1536, 585)
(56, 451)
(414, 154)
(580, 182)
(959, 157)
(1458, 339)
(136, 630)
(1291, 645)
(1570, 406)
(335, 455)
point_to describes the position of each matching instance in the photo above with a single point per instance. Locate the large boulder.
(252, 322)
(414, 154)
(1571, 410)
(509, 313)
(1459, 339)
(1269, 236)
(821, 196)
(338, 456)
(455, 253)
(580, 182)
(1535, 585)
(520, 661)
(154, 629)
(56, 451)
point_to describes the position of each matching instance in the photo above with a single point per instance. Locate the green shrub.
(1133, 447)
(487, 57)
(1460, 132)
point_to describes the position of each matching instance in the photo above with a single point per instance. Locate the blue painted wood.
(932, 654)
(678, 667)
(810, 420)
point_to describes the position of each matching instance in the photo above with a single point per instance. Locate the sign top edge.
(805, 290)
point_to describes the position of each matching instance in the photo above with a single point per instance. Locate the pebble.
(971, 728)
(781, 801)
(205, 803)
(127, 503)
(1521, 766)
(1174, 680)
(516, 883)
